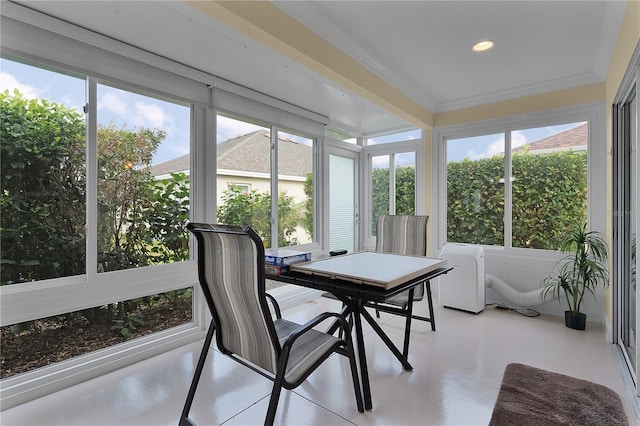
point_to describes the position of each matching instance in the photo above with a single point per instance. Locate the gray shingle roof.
(575, 138)
(250, 153)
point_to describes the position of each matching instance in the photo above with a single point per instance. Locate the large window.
(44, 181)
(393, 184)
(248, 152)
(98, 181)
(475, 191)
(548, 183)
(394, 167)
(43, 174)
(49, 206)
(141, 219)
(521, 187)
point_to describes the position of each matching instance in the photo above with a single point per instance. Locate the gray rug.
(531, 396)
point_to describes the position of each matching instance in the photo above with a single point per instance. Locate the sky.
(120, 107)
(475, 148)
(124, 108)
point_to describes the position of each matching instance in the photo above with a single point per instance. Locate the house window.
(244, 188)
(521, 187)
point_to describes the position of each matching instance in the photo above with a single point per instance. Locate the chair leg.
(275, 397)
(354, 370)
(184, 418)
(340, 331)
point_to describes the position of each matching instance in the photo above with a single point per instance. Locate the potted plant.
(579, 272)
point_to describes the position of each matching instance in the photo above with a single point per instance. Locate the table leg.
(432, 315)
(386, 339)
(350, 310)
(362, 358)
(407, 325)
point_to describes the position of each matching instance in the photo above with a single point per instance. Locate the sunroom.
(143, 116)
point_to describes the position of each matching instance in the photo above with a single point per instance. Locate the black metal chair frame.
(406, 311)
(344, 346)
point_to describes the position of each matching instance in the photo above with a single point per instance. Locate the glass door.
(629, 260)
(342, 194)
(625, 218)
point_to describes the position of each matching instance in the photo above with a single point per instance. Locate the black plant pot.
(577, 322)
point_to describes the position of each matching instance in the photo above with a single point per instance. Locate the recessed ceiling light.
(483, 46)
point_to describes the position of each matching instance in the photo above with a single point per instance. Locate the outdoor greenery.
(253, 209)
(125, 192)
(405, 187)
(42, 190)
(307, 219)
(43, 193)
(549, 196)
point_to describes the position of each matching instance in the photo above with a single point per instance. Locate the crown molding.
(520, 92)
(614, 14)
(304, 13)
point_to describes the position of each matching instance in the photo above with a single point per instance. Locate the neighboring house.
(245, 161)
(575, 138)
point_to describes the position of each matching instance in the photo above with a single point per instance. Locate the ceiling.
(424, 47)
(421, 48)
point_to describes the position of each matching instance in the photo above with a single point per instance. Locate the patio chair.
(406, 235)
(231, 272)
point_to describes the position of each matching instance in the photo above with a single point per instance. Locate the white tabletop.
(371, 268)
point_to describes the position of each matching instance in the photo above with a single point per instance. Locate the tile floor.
(455, 381)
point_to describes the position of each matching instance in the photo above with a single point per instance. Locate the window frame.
(368, 241)
(32, 36)
(593, 114)
(274, 129)
(44, 298)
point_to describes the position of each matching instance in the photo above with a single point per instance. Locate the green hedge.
(43, 196)
(405, 187)
(549, 194)
(42, 189)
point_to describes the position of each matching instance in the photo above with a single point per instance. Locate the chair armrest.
(315, 321)
(276, 307)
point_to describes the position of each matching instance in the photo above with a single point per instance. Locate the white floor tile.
(455, 381)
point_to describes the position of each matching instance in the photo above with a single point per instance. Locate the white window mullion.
(274, 186)
(392, 184)
(91, 141)
(508, 192)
